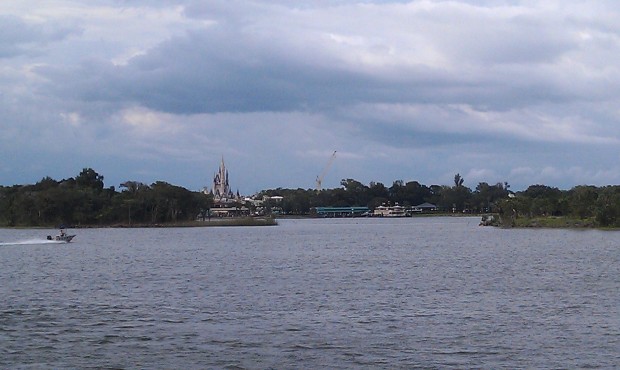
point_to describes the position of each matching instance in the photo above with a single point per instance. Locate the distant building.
(339, 211)
(425, 207)
(221, 191)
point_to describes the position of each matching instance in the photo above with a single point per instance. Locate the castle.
(222, 194)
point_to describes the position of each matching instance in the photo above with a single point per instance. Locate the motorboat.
(62, 237)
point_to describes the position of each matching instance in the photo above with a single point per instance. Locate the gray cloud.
(249, 63)
(419, 89)
(21, 37)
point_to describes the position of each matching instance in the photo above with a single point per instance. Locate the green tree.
(458, 180)
(545, 200)
(378, 194)
(416, 193)
(607, 211)
(397, 192)
(456, 198)
(357, 194)
(582, 201)
(89, 178)
(486, 196)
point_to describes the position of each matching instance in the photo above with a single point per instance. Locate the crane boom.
(319, 178)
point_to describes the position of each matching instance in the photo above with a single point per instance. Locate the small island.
(583, 206)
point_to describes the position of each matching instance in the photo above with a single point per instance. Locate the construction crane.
(319, 178)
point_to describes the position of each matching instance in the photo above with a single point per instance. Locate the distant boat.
(391, 211)
(62, 237)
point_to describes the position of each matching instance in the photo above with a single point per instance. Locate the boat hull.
(65, 238)
(61, 238)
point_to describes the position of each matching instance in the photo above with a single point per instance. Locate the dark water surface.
(354, 293)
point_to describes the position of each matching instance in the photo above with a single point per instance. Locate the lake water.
(337, 293)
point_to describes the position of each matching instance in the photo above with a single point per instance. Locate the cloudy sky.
(526, 92)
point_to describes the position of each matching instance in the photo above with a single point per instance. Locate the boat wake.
(32, 242)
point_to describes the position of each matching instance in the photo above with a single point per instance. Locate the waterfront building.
(340, 211)
(425, 207)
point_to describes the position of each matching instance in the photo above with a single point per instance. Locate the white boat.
(391, 211)
(62, 237)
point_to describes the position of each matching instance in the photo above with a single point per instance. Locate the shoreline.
(214, 222)
(551, 222)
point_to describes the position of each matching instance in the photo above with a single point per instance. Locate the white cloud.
(73, 118)
(477, 175)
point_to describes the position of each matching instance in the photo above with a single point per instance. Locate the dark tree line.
(83, 200)
(456, 198)
(601, 205)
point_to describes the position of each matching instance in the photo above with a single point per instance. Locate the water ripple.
(338, 294)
